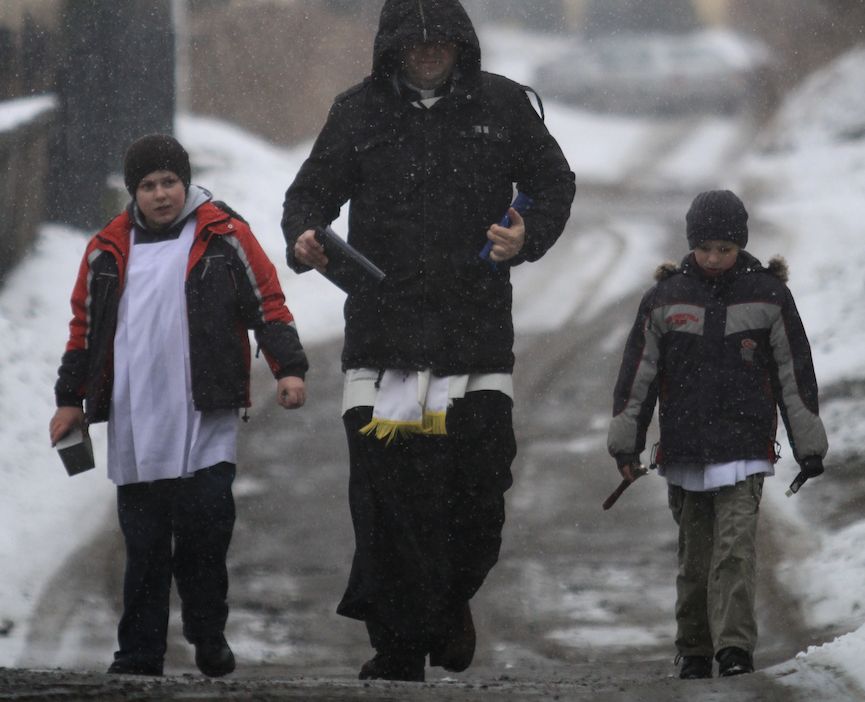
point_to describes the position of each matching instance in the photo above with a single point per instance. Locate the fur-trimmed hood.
(746, 263)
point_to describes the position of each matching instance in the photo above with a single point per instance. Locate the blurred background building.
(119, 69)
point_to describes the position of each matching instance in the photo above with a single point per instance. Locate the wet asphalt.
(580, 605)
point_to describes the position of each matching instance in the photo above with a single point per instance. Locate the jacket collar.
(195, 197)
(115, 236)
(745, 263)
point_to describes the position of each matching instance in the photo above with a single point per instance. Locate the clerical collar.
(424, 98)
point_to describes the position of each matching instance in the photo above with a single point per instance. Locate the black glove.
(812, 466)
(627, 461)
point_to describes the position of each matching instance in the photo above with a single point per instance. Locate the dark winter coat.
(231, 286)
(719, 355)
(425, 185)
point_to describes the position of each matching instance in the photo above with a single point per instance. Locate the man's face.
(428, 64)
(160, 197)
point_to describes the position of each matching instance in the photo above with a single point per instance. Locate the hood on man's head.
(405, 22)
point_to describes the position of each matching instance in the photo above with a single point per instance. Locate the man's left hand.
(507, 241)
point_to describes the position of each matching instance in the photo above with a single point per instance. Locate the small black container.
(76, 452)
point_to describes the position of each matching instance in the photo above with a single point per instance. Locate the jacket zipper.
(422, 19)
(207, 262)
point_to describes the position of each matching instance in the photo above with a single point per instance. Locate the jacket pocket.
(215, 261)
(756, 485)
(388, 168)
(481, 151)
(213, 287)
(480, 289)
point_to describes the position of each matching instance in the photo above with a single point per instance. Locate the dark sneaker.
(457, 651)
(128, 665)
(384, 666)
(695, 667)
(734, 661)
(213, 656)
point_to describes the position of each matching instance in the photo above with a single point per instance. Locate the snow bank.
(14, 113)
(251, 175)
(812, 176)
(827, 109)
(44, 514)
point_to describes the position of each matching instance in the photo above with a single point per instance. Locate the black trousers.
(428, 513)
(180, 528)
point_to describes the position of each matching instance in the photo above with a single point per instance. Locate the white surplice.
(154, 431)
(714, 476)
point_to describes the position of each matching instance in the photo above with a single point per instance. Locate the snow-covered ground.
(810, 179)
(810, 171)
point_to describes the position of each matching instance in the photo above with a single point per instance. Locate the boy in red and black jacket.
(159, 348)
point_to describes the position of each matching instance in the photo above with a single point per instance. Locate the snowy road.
(581, 602)
(580, 606)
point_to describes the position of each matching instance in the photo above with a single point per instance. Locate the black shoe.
(128, 665)
(213, 656)
(384, 666)
(695, 667)
(455, 654)
(734, 661)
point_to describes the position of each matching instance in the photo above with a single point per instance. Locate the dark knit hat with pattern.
(155, 152)
(718, 215)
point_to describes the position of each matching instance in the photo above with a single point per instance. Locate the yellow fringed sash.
(409, 402)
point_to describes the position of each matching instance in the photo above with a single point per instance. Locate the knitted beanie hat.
(717, 214)
(155, 152)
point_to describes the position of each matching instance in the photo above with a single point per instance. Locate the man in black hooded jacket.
(429, 150)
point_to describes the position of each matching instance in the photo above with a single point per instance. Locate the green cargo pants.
(716, 582)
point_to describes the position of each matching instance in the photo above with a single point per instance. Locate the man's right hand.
(309, 252)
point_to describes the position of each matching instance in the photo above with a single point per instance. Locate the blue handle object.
(521, 204)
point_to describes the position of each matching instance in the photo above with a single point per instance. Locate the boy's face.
(429, 64)
(716, 257)
(160, 197)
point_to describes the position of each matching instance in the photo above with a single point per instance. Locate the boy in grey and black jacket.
(719, 346)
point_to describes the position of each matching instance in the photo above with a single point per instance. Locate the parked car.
(657, 74)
